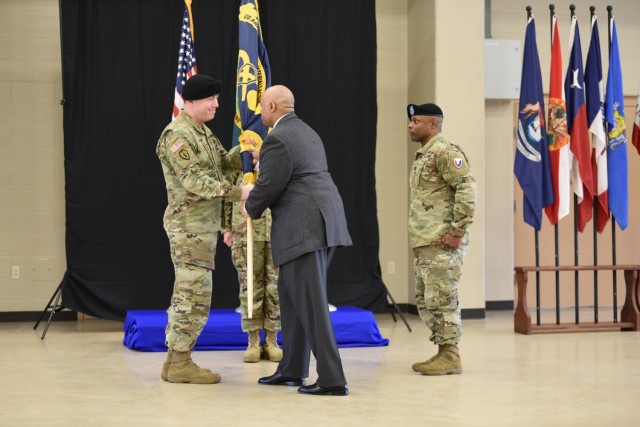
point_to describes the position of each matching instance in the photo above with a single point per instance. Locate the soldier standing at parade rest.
(266, 305)
(442, 194)
(194, 163)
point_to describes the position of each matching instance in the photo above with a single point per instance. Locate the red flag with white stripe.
(557, 134)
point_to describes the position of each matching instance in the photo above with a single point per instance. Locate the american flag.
(186, 61)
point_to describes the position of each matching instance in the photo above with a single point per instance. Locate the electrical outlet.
(391, 267)
(15, 272)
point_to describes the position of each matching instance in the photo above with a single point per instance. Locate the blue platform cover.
(144, 330)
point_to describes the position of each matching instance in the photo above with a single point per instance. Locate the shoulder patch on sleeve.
(456, 163)
(176, 145)
(180, 150)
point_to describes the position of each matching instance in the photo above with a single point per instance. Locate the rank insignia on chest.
(457, 162)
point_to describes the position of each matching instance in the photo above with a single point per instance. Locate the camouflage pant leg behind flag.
(190, 305)
(266, 304)
(437, 271)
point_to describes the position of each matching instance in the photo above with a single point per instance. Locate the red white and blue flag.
(617, 145)
(186, 58)
(595, 117)
(581, 173)
(531, 165)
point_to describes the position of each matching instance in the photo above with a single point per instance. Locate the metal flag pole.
(595, 222)
(536, 236)
(613, 219)
(552, 15)
(576, 253)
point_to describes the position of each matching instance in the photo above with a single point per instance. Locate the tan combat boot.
(183, 370)
(416, 366)
(271, 349)
(448, 362)
(165, 366)
(252, 354)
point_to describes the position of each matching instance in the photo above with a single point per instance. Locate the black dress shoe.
(279, 379)
(338, 390)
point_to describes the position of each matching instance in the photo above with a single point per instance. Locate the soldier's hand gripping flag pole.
(253, 78)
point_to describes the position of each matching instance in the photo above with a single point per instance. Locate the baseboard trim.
(474, 313)
(500, 305)
(467, 313)
(33, 316)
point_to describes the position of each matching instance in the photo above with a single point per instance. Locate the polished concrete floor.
(82, 375)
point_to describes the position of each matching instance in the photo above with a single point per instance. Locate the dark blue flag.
(531, 166)
(253, 78)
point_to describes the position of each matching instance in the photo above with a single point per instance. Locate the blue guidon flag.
(253, 78)
(531, 165)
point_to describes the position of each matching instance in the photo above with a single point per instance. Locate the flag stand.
(55, 308)
(393, 306)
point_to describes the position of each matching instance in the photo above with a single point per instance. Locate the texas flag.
(581, 173)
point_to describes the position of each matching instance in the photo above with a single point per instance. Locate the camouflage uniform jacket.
(442, 193)
(233, 220)
(194, 165)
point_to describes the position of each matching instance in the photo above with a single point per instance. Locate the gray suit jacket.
(294, 181)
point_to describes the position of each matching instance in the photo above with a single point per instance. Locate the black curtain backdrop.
(119, 66)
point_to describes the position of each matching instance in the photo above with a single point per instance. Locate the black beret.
(200, 87)
(424, 110)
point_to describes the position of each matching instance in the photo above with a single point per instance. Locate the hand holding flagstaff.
(246, 189)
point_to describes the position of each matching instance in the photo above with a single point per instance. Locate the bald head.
(275, 102)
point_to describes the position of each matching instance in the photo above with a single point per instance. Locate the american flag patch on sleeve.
(176, 145)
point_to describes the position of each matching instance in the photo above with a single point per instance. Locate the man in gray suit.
(308, 223)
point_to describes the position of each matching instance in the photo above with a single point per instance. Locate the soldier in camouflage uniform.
(442, 195)
(266, 304)
(194, 163)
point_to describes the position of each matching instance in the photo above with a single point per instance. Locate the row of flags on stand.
(252, 79)
(582, 147)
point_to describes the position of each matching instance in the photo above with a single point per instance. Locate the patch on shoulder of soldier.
(458, 162)
(184, 154)
(176, 145)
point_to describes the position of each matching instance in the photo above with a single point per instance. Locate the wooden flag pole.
(249, 268)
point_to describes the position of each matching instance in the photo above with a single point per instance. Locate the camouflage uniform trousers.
(192, 256)
(266, 303)
(437, 272)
